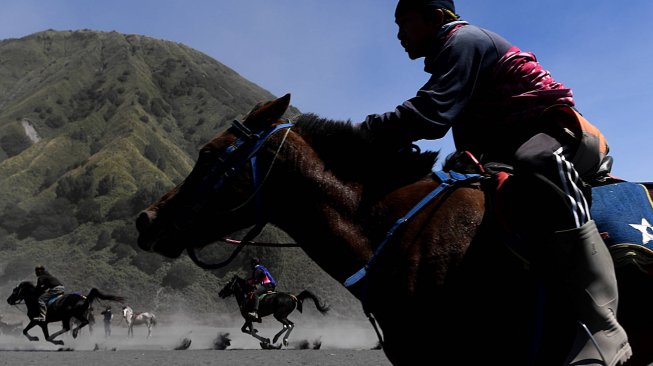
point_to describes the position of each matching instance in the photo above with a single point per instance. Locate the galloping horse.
(63, 309)
(278, 304)
(132, 319)
(446, 287)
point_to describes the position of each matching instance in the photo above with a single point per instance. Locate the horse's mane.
(239, 280)
(353, 154)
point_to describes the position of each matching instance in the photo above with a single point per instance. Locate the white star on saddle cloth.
(646, 229)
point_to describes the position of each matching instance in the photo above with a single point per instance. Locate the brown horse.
(445, 288)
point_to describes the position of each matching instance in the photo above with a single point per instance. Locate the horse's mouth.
(169, 240)
(154, 235)
(171, 244)
(160, 245)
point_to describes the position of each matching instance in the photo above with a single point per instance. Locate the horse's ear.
(267, 113)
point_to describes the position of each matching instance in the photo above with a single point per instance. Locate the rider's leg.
(43, 308)
(582, 261)
(253, 305)
(260, 290)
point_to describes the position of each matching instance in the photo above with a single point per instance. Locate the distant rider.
(107, 316)
(48, 286)
(262, 282)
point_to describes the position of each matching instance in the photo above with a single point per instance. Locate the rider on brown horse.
(502, 106)
(262, 282)
(49, 287)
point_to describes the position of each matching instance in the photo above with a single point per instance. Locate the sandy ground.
(196, 358)
(314, 343)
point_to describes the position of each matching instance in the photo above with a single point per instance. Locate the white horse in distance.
(132, 319)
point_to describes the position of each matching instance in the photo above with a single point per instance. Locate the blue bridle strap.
(224, 171)
(447, 180)
(251, 154)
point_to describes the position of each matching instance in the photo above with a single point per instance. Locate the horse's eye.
(206, 153)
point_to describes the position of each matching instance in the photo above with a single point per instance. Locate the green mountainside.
(93, 127)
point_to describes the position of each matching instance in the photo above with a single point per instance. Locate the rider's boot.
(589, 278)
(254, 313)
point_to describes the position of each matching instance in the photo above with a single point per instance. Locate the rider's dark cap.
(405, 5)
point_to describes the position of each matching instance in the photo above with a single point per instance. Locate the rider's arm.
(40, 284)
(456, 70)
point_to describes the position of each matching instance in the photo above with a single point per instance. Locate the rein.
(252, 142)
(448, 181)
(259, 244)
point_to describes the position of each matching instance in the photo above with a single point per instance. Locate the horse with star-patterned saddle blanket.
(624, 213)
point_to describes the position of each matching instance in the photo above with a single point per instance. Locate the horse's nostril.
(143, 221)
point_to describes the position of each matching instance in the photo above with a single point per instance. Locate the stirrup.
(594, 342)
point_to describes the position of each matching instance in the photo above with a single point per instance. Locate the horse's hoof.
(34, 339)
(74, 334)
(285, 342)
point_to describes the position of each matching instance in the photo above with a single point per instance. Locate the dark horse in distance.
(63, 309)
(445, 288)
(277, 304)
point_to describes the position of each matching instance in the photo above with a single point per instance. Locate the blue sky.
(340, 58)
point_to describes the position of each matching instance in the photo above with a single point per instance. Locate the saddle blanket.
(261, 296)
(53, 299)
(623, 213)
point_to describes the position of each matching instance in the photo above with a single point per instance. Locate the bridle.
(239, 153)
(21, 298)
(19, 295)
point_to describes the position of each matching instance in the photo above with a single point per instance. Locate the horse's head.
(127, 312)
(229, 289)
(23, 291)
(218, 190)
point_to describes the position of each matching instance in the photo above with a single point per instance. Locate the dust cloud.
(217, 333)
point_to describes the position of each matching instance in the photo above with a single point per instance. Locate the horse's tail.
(321, 307)
(153, 319)
(95, 293)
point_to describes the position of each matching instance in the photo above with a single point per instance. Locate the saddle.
(622, 211)
(54, 299)
(261, 296)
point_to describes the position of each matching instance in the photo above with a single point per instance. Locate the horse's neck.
(31, 296)
(323, 211)
(240, 294)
